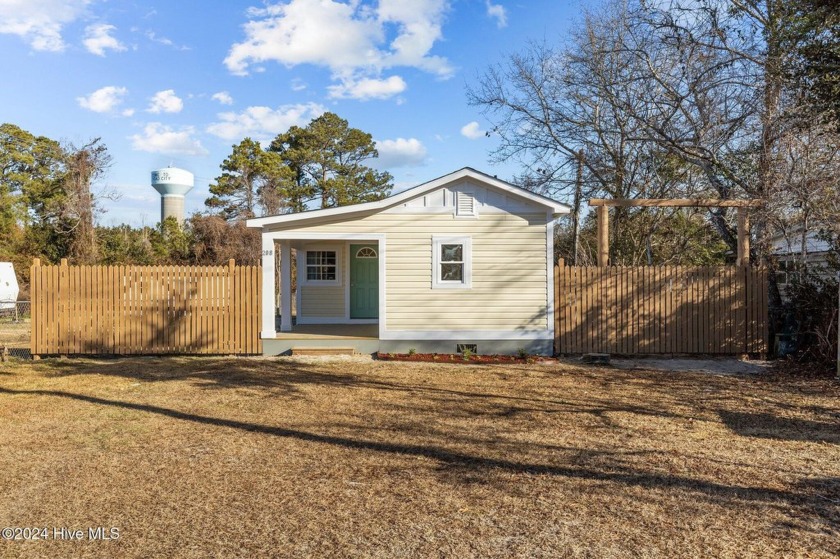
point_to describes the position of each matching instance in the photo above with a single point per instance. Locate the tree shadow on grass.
(769, 426)
(661, 395)
(465, 465)
(289, 378)
(211, 374)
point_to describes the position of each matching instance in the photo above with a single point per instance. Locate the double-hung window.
(321, 266)
(452, 260)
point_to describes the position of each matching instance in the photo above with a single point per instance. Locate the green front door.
(364, 281)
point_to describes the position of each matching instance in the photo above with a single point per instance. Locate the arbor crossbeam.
(602, 208)
(675, 203)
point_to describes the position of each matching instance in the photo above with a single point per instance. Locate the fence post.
(561, 263)
(603, 213)
(743, 253)
(34, 303)
(64, 300)
(231, 314)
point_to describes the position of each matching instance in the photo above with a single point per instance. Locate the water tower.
(172, 184)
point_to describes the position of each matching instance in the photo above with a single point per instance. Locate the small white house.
(801, 245)
(8, 286)
(463, 261)
(797, 251)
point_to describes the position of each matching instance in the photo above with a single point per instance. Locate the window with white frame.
(321, 266)
(452, 258)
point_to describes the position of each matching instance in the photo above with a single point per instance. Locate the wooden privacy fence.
(661, 310)
(123, 310)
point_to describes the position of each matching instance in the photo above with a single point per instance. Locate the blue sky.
(180, 82)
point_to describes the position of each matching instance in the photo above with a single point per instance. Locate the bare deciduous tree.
(83, 167)
(564, 115)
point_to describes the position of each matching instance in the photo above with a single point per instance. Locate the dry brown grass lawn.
(14, 334)
(194, 457)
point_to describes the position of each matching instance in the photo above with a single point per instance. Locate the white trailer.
(8, 286)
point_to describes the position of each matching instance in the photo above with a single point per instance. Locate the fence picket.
(661, 310)
(97, 310)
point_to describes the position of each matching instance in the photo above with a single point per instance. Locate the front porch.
(328, 292)
(363, 338)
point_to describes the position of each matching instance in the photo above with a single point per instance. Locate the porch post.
(267, 328)
(285, 286)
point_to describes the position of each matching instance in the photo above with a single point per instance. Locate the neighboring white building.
(794, 246)
(465, 259)
(794, 250)
(8, 286)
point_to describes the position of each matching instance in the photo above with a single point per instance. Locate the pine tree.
(252, 183)
(327, 163)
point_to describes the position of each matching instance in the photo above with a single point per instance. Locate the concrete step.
(323, 351)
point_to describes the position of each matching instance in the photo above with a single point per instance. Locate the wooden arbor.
(603, 206)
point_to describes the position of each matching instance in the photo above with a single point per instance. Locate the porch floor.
(331, 332)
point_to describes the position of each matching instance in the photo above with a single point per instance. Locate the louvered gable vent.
(465, 204)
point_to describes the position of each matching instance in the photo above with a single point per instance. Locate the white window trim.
(437, 241)
(338, 263)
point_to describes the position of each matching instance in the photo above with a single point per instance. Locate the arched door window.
(365, 252)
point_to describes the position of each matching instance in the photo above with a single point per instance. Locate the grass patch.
(15, 334)
(197, 457)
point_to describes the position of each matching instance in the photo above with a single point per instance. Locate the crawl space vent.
(461, 348)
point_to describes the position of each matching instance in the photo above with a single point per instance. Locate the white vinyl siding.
(509, 283)
(321, 302)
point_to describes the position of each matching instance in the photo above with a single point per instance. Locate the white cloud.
(298, 84)
(357, 40)
(497, 12)
(103, 100)
(155, 38)
(401, 152)
(166, 41)
(98, 38)
(368, 88)
(39, 22)
(222, 97)
(473, 131)
(262, 123)
(419, 25)
(165, 102)
(159, 138)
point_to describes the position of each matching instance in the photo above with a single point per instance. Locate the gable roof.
(555, 207)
